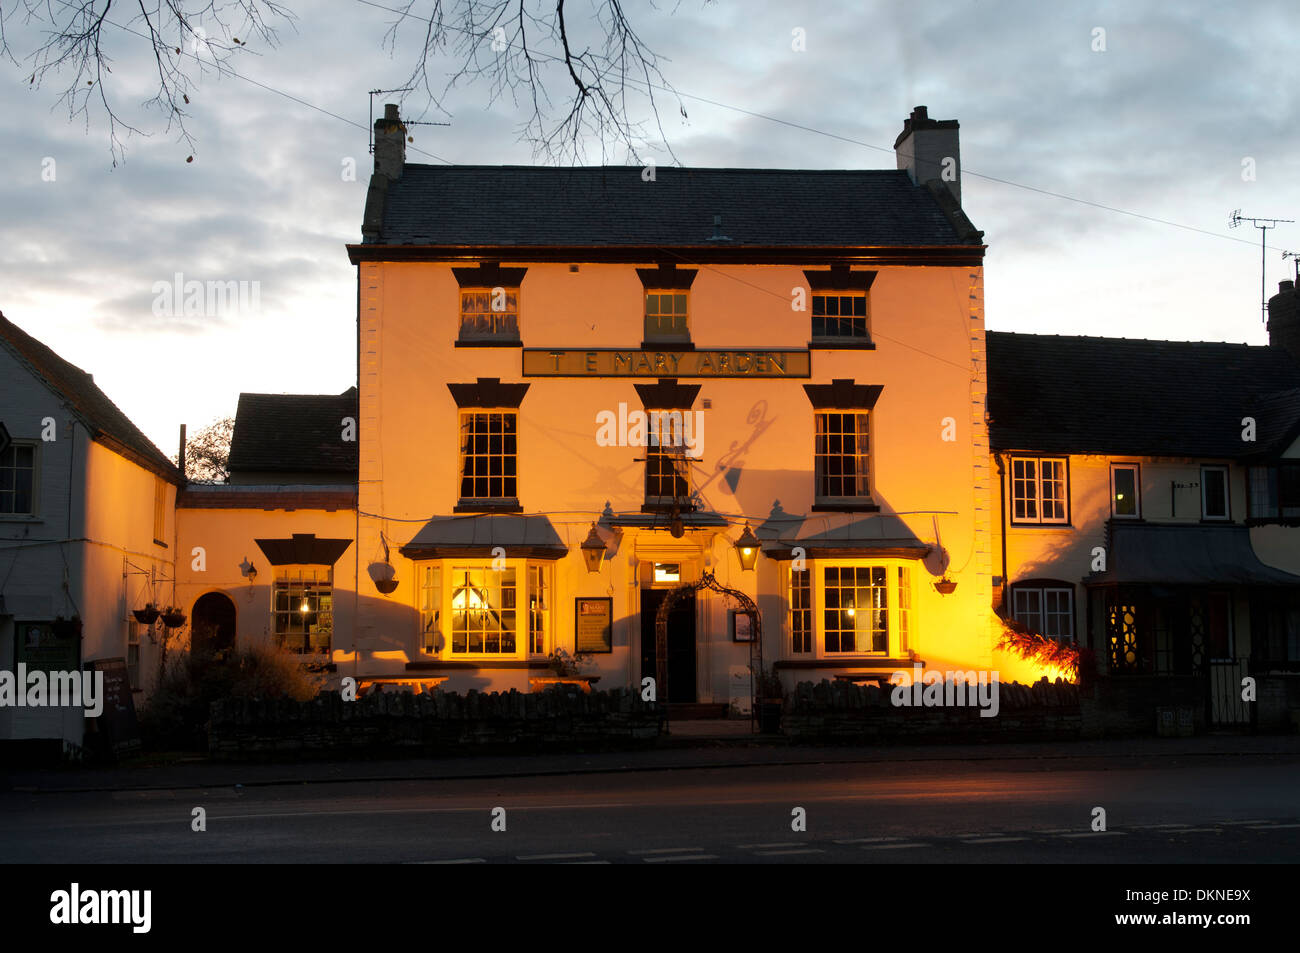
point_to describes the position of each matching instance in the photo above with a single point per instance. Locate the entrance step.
(696, 711)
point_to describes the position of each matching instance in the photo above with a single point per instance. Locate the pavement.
(702, 750)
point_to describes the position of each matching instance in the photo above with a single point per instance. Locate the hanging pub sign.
(593, 625)
(613, 362)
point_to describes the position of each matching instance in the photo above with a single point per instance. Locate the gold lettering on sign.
(621, 362)
(591, 363)
(607, 362)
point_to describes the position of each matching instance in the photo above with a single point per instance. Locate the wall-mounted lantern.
(747, 549)
(593, 550)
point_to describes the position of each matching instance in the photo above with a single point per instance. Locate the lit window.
(904, 608)
(1214, 493)
(18, 480)
(483, 611)
(302, 603)
(1047, 610)
(667, 476)
(801, 618)
(665, 316)
(431, 608)
(1039, 490)
(539, 608)
(841, 457)
(1124, 490)
(489, 314)
(855, 609)
(840, 315)
(488, 455)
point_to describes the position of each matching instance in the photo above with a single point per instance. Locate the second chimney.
(390, 144)
(1284, 319)
(928, 149)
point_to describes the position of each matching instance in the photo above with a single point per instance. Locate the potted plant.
(146, 616)
(173, 617)
(66, 628)
(568, 671)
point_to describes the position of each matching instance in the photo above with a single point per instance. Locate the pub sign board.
(614, 362)
(593, 625)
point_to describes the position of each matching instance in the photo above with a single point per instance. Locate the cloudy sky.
(1167, 122)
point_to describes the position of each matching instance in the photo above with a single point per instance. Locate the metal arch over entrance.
(747, 606)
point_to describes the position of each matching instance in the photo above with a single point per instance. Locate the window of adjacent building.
(18, 480)
(839, 316)
(159, 509)
(855, 609)
(667, 475)
(1039, 490)
(483, 611)
(1274, 492)
(801, 613)
(1046, 610)
(841, 456)
(1214, 493)
(539, 614)
(489, 314)
(1124, 489)
(666, 317)
(431, 608)
(302, 601)
(133, 655)
(488, 455)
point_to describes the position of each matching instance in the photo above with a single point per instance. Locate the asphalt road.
(1231, 809)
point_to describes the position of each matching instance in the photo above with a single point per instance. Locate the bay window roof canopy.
(1143, 554)
(475, 537)
(303, 549)
(886, 536)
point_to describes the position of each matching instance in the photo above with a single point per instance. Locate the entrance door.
(212, 625)
(681, 643)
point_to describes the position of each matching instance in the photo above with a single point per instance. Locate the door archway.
(212, 624)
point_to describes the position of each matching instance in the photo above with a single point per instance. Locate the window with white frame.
(801, 612)
(1214, 493)
(843, 609)
(1046, 610)
(904, 609)
(302, 608)
(841, 456)
(489, 454)
(1125, 487)
(855, 609)
(1039, 490)
(488, 314)
(18, 480)
(431, 608)
(539, 608)
(483, 611)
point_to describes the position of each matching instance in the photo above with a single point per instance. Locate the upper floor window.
(1039, 490)
(1214, 493)
(1275, 492)
(840, 316)
(18, 480)
(159, 509)
(666, 316)
(488, 455)
(1124, 491)
(302, 604)
(489, 314)
(1045, 610)
(841, 456)
(667, 476)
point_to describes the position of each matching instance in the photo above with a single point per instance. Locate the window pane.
(1214, 492)
(1124, 501)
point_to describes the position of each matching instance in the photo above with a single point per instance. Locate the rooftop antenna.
(1263, 224)
(407, 122)
(1295, 255)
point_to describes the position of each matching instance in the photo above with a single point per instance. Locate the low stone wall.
(840, 712)
(1126, 705)
(438, 723)
(1278, 700)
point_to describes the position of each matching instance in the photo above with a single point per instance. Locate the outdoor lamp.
(747, 549)
(305, 607)
(593, 550)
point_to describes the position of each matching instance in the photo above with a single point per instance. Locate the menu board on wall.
(593, 625)
(118, 721)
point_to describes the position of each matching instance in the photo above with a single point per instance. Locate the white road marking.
(892, 846)
(664, 860)
(868, 840)
(667, 850)
(994, 840)
(459, 860)
(768, 846)
(784, 853)
(1272, 827)
(1090, 834)
(1244, 822)
(585, 853)
(1156, 827)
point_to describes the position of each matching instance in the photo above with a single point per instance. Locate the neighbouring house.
(1149, 494)
(87, 531)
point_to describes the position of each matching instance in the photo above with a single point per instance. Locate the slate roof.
(103, 418)
(612, 206)
(294, 432)
(1055, 394)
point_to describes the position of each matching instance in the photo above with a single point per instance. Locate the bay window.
(850, 609)
(473, 609)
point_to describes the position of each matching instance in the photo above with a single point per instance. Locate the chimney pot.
(390, 144)
(1285, 286)
(929, 149)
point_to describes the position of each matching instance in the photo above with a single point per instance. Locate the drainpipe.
(1002, 522)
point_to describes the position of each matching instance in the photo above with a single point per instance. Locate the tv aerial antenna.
(1263, 224)
(405, 122)
(1296, 256)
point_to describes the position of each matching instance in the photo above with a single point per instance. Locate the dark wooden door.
(681, 643)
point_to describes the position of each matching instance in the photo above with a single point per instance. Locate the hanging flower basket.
(173, 618)
(146, 616)
(385, 585)
(946, 586)
(66, 628)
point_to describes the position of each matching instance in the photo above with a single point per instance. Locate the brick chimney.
(1284, 318)
(390, 144)
(923, 147)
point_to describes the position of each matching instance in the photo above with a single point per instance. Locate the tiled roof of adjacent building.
(103, 418)
(300, 433)
(613, 205)
(1053, 394)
